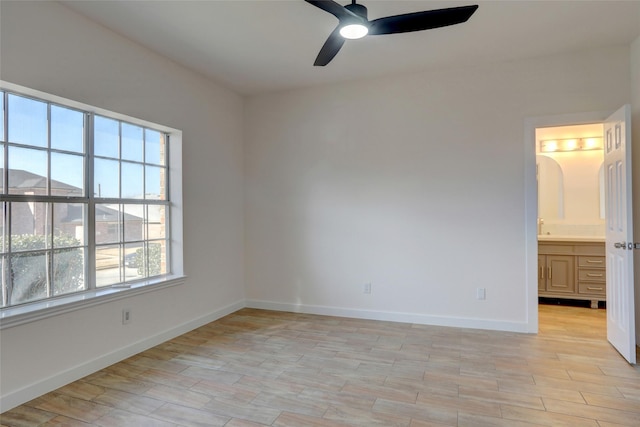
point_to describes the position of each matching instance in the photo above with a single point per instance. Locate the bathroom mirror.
(550, 188)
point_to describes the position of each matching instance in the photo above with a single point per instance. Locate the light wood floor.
(256, 368)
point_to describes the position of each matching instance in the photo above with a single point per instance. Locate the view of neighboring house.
(33, 217)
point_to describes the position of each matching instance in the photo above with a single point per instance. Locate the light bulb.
(549, 146)
(592, 144)
(354, 31)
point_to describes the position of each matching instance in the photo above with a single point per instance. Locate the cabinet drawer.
(592, 288)
(590, 249)
(554, 248)
(591, 261)
(591, 275)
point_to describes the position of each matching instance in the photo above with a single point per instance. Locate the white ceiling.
(267, 45)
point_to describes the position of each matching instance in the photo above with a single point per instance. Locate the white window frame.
(41, 309)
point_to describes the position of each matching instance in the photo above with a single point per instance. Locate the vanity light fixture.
(571, 144)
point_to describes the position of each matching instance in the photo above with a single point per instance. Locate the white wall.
(47, 47)
(413, 183)
(635, 130)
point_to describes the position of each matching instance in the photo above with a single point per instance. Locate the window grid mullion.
(50, 219)
(48, 149)
(121, 245)
(119, 159)
(167, 212)
(144, 164)
(5, 138)
(8, 285)
(121, 252)
(90, 211)
(9, 251)
(49, 210)
(6, 279)
(145, 250)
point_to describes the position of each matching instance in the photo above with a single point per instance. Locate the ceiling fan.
(354, 23)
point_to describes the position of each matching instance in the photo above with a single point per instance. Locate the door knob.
(622, 245)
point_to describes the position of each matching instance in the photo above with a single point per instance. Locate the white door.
(619, 233)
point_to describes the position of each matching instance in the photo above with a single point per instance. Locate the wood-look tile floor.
(256, 368)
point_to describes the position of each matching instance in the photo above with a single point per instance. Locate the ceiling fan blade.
(333, 8)
(330, 48)
(418, 21)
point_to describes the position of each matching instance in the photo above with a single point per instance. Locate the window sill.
(38, 310)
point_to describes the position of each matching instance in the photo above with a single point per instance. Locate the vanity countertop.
(561, 238)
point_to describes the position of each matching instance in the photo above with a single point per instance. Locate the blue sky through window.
(118, 142)
(27, 121)
(67, 129)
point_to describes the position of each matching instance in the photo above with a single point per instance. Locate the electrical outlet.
(367, 288)
(481, 293)
(126, 316)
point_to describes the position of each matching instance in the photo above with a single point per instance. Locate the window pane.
(133, 222)
(27, 171)
(2, 116)
(106, 137)
(30, 222)
(154, 147)
(29, 273)
(156, 221)
(155, 183)
(157, 257)
(3, 238)
(132, 181)
(27, 121)
(107, 224)
(67, 175)
(67, 129)
(68, 224)
(1, 168)
(108, 265)
(134, 261)
(106, 178)
(4, 280)
(68, 270)
(132, 142)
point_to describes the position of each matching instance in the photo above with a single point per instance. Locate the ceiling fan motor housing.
(358, 9)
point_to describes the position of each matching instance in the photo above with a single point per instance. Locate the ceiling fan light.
(354, 31)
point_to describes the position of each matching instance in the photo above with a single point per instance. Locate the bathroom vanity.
(572, 267)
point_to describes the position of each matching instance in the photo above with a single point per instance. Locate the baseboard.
(417, 318)
(58, 380)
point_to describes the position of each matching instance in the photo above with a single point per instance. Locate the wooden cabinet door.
(542, 273)
(560, 274)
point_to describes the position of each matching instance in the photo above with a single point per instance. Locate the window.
(84, 199)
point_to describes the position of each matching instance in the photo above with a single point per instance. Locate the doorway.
(531, 200)
(571, 215)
